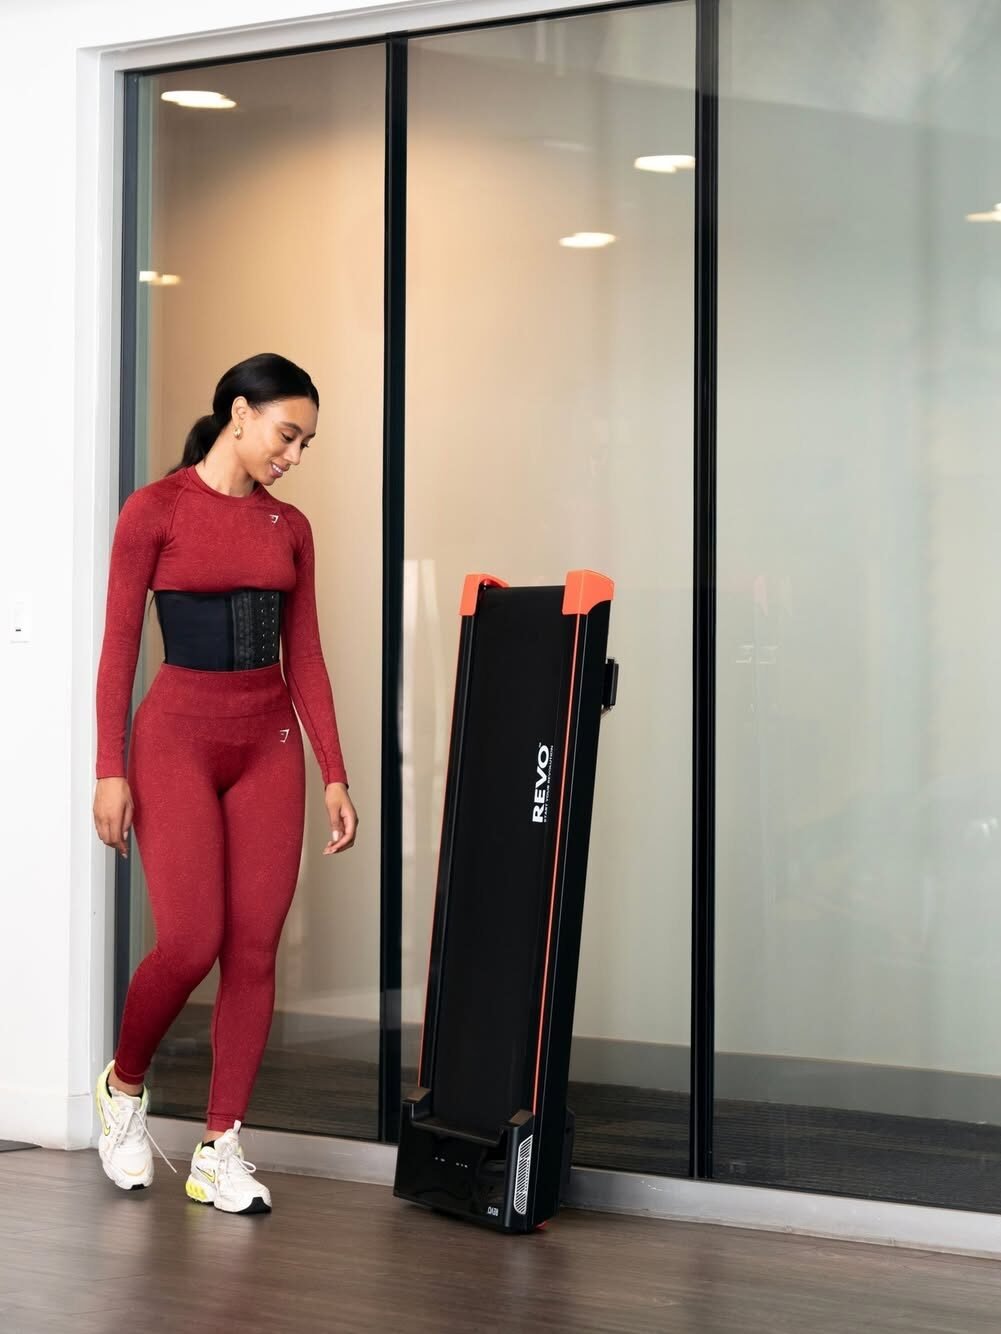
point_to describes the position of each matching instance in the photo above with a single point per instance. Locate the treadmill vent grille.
(521, 1179)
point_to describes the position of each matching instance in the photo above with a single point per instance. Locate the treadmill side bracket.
(611, 685)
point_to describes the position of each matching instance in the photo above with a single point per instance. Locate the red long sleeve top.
(179, 533)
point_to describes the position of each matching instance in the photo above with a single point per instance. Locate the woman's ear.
(238, 410)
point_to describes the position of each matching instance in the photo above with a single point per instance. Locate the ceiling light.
(193, 97)
(665, 162)
(587, 240)
(157, 279)
(566, 145)
(993, 216)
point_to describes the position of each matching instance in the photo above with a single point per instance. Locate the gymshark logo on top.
(540, 810)
(273, 518)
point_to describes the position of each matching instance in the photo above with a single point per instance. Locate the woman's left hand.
(343, 818)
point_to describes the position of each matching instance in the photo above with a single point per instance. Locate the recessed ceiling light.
(993, 216)
(157, 279)
(567, 145)
(194, 97)
(665, 162)
(587, 240)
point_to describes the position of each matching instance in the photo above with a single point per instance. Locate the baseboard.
(908, 1226)
(50, 1118)
(285, 1151)
(899, 1225)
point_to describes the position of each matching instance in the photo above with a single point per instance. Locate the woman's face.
(274, 435)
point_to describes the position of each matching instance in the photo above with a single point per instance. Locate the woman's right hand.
(113, 808)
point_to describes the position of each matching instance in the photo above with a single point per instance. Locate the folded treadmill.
(487, 1134)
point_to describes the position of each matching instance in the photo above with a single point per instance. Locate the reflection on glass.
(859, 646)
(549, 426)
(263, 233)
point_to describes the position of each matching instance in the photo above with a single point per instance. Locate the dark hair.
(261, 379)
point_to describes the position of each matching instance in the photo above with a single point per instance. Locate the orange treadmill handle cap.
(471, 591)
(583, 591)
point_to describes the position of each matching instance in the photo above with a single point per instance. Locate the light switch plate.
(20, 619)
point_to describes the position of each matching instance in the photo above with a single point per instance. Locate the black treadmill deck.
(487, 1134)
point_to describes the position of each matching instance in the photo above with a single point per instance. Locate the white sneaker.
(220, 1175)
(123, 1148)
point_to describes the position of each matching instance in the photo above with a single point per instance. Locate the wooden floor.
(77, 1254)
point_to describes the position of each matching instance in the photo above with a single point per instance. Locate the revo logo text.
(540, 809)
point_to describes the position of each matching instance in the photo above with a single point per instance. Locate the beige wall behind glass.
(270, 214)
(549, 426)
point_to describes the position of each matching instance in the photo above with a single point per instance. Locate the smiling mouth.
(276, 471)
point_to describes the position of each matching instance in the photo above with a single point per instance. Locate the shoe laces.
(229, 1154)
(133, 1112)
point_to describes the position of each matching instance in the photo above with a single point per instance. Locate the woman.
(214, 785)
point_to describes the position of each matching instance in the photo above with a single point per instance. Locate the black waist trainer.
(222, 632)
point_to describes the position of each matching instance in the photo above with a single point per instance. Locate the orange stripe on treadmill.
(556, 865)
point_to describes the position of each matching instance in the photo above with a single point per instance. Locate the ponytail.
(201, 438)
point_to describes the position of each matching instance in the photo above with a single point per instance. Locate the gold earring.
(238, 431)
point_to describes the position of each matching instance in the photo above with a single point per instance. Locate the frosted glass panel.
(269, 216)
(859, 643)
(549, 426)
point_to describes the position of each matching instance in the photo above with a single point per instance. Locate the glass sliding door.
(549, 426)
(859, 641)
(262, 231)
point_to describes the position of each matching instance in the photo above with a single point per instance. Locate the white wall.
(57, 349)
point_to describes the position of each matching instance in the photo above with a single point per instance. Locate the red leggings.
(217, 774)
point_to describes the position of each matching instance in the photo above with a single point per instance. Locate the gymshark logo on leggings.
(285, 731)
(540, 811)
